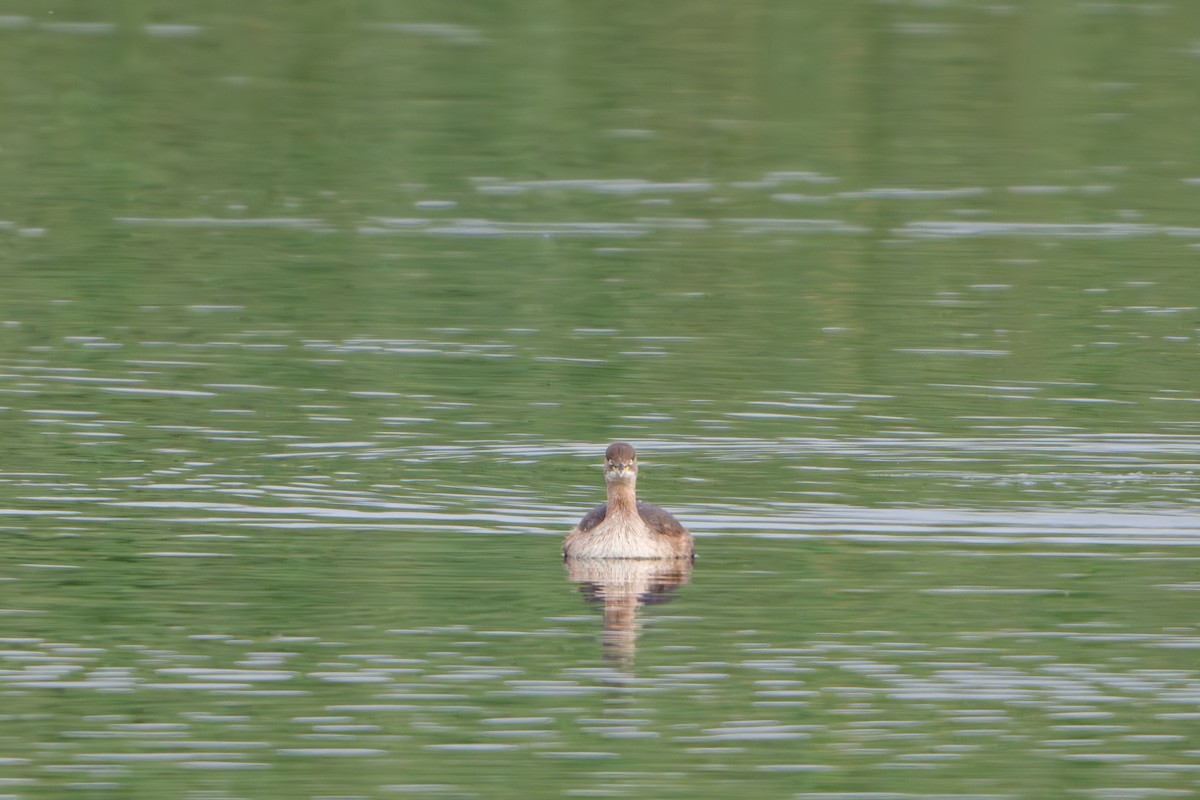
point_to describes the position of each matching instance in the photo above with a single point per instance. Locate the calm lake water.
(315, 319)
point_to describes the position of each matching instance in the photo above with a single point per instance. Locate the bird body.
(624, 527)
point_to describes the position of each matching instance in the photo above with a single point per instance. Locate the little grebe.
(623, 527)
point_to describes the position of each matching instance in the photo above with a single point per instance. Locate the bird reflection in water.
(622, 586)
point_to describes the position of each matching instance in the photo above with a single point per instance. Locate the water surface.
(316, 321)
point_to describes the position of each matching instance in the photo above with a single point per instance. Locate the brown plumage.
(624, 527)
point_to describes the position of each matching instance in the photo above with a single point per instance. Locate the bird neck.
(622, 496)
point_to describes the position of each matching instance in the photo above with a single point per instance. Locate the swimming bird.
(624, 527)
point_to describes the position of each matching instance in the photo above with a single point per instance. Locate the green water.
(315, 319)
